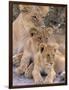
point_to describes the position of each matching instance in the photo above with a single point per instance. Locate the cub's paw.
(17, 59)
(39, 81)
(19, 71)
(48, 81)
(28, 72)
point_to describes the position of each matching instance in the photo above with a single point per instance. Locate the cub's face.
(47, 32)
(48, 53)
(36, 35)
(41, 35)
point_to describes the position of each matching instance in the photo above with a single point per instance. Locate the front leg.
(21, 69)
(23, 66)
(50, 77)
(37, 77)
(28, 72)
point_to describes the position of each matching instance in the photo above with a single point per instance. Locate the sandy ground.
(21, 80)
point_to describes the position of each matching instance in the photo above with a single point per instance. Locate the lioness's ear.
(25, 8)
(21, 7)
(43, 10)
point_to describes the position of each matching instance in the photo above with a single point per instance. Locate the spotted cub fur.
(47, 63)
(43, 71)
(30, 49)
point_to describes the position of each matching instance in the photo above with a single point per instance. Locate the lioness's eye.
(34, 17)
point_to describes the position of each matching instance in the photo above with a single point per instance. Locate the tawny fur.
(30, 50)
(50, 62)
(26, 20)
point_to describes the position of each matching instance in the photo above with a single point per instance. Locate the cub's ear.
(42, 47)
(49, 30)
(33, 31)
(25, 8)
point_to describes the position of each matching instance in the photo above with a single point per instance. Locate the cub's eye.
(51, 63)
(53, 55)
(48, 55)
(46, 38)
(39, 38)
(34, 16)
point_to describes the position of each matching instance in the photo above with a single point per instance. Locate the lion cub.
(47, 64)
(30, 49)
(43, 71)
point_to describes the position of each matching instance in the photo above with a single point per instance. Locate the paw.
(17, 59)
(16, 62)
(28, 72)
(19, 71)
(39, 81)
(48, 81)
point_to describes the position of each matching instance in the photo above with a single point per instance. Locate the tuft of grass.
(16, 11)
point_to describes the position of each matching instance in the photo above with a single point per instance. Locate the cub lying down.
(45, 64)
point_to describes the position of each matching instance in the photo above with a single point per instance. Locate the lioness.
(29, 17)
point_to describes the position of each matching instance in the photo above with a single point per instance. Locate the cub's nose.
(43, 74)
